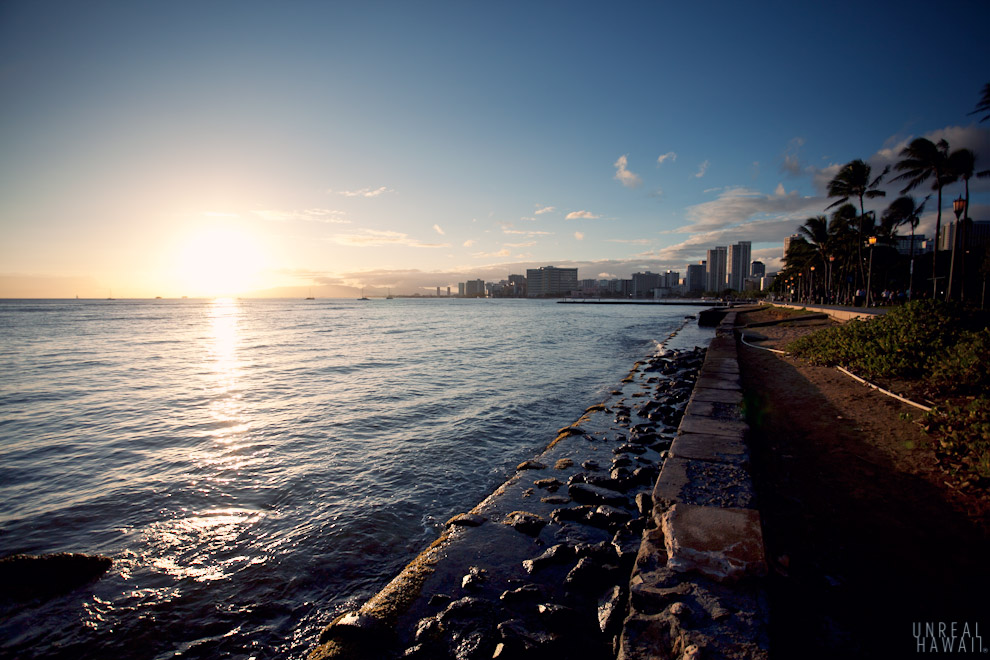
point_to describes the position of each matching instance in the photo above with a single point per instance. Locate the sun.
(219, 261)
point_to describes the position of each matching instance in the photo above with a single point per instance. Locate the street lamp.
(958, 206)
(828, 271)
(869, 276)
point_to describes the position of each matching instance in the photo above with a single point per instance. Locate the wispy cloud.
(520, 245)
(670, 155)
(791, 163)
(634, 241)
(523, 232)
(437, 229)
(624, 176)
(737, 207)
(702, 169)
(363, 192)
(545, 209)
(579, 235)
(377, 238)
(487, 255)
(469, 242)
(581, 215)
(328, 216)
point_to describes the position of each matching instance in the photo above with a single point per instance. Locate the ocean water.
(254, 467)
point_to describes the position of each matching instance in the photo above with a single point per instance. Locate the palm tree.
(902, 211)
(984, 104)
(853, 180)
(922, 160)
(815, 231)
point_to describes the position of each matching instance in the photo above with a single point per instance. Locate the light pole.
(958, 206)
(869, 276)
(811, 285)
(828, 272)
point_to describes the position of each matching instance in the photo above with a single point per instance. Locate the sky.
(262, 148)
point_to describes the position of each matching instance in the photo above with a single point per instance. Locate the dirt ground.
(863, 535)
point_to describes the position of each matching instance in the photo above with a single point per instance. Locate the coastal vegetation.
(939, 351)
(852, 252)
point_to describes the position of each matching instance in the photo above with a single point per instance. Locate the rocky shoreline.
(543, 564)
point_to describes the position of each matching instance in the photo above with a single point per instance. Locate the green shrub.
(964, 368)
(963, 437)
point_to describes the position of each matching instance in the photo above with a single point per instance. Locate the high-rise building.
(715, 269)
(758, 269)
(438, 292)
(696, 277)
(739, 257)
(550, 281)
(644, 283)
(474, 289)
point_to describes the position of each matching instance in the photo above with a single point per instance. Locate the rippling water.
(255, 466)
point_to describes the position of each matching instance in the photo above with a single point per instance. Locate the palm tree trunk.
(938, 230)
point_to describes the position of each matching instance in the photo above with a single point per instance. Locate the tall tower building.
(716, 269)
(739, 258)
(787, 242)
(696, 280)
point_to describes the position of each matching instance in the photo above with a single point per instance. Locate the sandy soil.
(863, 534)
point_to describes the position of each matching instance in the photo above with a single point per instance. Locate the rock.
(611, 610)
(646, 474)
(428, 630)
(355, 629)
(574, 513)
(622, 460)
(589, 494)
(602, 552)
(555, 499)
(525, 522)
(527, 592)
(590, 465)
(531, 465)
(588, 574)
(528, 492)
(619, 475)
(466, 520)
(26, 577)
(518, 637)
(626, 544)
(644, 503)
(608, 516)
(629, 449)
(551, 484)
(555, 554)
(474, 578)
(563, 464)
(439, 600)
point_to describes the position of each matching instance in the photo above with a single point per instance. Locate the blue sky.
(213, 148)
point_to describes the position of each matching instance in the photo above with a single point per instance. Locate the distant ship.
(389, 296)
(362, 295)
(310, 296)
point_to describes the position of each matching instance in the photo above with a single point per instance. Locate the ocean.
(255, 467)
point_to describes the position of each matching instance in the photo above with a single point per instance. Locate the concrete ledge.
(714, 410)
(711, 448)
(838, 313)
(711, 426)
(722, 544)
(702, 483)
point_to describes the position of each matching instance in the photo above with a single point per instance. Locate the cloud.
(739, 206)
(633, 241)
(437, 229)
(791, 163)
(702, 169)
(377, 238)
(670, 155)
(581, 215)
(485, 255)
(363, 192)
(545, 209)
(578, 235)
(624, 176)
(469, 242)
(780, 191)
(328, 216)
(522, 232)
(520, 245)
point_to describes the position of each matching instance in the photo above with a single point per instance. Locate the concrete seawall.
(840, 314)
(697, 585)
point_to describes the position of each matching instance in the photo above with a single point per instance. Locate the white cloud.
(469, 242)
(624, 176)
(328, 216)
(363, 192)
(545, 209)
(633, 241)
(740, 207)
(578, 235)
(780, 191)
(581, 215)
(520, 245)
(522, 232)
(702, 169)
(670, 155)
(791, 163)
(437, 229)
(377, 238)
(485, 255)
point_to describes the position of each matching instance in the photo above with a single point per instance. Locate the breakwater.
(542, 564)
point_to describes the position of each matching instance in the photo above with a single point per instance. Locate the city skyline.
(176, 149)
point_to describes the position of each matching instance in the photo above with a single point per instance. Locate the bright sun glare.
(219, 261)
